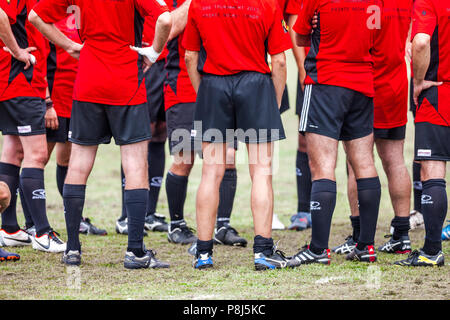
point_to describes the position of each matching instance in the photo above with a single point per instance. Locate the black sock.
(323, 202)
(10, 173)
(136, 205)
(303, 182)
(417, 184)
(61, 173)
(26, 211)
(434, 207)
(204, 247)
(369, 194)
(73, 196)
(176, 188)
(32, 184)
(356, 225)
(401, 227)
(124, 210)
(156, 164)
(227, 192)
(263, 245)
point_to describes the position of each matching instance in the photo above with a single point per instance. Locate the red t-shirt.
(390, 69)
(65, 70)
(109, 72)
(340, 46)
(149, 35)
(178, 87)
(14, 80)
(432, 17)
(236, 36)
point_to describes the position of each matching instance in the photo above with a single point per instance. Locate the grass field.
(102, 276)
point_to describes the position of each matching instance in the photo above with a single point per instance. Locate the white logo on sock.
(156, 182)
(38, 194)
(315, 205)
(426, 199)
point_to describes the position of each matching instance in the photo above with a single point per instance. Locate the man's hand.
(51, 119)
(423, 85)
(5, 196)
(149, 54)
(24, 55)
(408, 51)
(315, 20)
(75, 49)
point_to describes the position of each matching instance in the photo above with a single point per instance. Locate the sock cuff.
(205, 246)
(32, 173)
(176, 178)
(135, 195)
(323, 185)
(230, 174)
(433, 183)
(302, 156)
(260, 241)
(74, 190)
(368, 183)
(61, 167)
(9, 169)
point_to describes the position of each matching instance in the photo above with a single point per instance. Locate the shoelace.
(387, 236)
(187, 230)
(53, 235)
(413, 254)
(279, 252)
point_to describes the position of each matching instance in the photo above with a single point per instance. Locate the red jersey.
(432, 17)
(14, 80)
(178, 87)
(390, 69)
(64, 71)
(149, 35)
(109, 72)
(236, 34)
(340, 46)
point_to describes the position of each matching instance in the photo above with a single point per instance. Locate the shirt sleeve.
(10, 8)
(278, 39)
(293, 7)
(191, 39)
(424, 18)
(303, 23)
(52, 11)
(153, 8)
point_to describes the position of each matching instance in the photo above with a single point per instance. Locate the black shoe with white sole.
(368, 254)
(71, 258)
(147, 261)
(181, 233)
(306, 256)
(346, 247)
(156, 222)
(227, 235)
(400, 246)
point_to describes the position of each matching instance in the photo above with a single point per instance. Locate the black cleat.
(366, 255)
(277, 260)
(122, 227)
(400, 246)
(346, 247)
(86, 227)
(147, 261)
(156, 222)
(71, 258)
(421, 259)
(181, 233)
(227, 235)
(306, 256)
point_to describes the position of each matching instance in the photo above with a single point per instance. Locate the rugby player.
(390, 118)
(5, 199)
(22, 110)
(109, 101)
(338, 105)
(431, 66)
(237, 97)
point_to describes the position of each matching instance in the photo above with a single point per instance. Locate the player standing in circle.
(431, 66)
(101, 111)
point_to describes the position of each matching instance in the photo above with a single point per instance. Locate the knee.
(181, 169)
(39, 157)
(13, 153)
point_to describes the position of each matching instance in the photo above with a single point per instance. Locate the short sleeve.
(424, 18)
(278, 39)
(51, 11)
(152, 8)
(303, 23)
(10, 8)
(192, 40)
(293, 7)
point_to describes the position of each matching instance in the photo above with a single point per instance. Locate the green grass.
(41, 276)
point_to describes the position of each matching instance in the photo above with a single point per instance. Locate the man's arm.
(5, 196)
(421, 61)
(52, 33)
(7, 36)
(179, 18)
(299, 52)
(191, 58)
(279, 74)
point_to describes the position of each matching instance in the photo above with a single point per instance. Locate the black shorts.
(300, 96)
(285, 105)
(22, 116)
(94, 123)
(336, 112)
(431, 142)
(412, 105)
(62, 133)
(180, 120)
(242, 106)
(154, 83)
(398, 133)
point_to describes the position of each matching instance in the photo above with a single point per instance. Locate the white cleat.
(277, 224)
(16, 239)
(49, 242)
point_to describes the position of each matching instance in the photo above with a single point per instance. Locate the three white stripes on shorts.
(305, 109)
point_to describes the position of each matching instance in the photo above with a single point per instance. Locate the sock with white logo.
(176, 189)
(61, 173)
(74, 196)
(434, 208)
(136, 205)
(227, 193)
(156, 164)
(122, 181)
(356, 225)
(26, 211)
(9, 174)
(401, 227)
(417, 184)
(303, 182)
(263, 245)
(369, 194)
(32, 185)
(323, 202)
